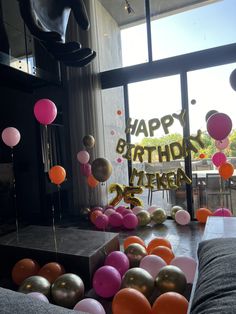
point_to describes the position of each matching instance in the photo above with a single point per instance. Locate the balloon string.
(59, 201)
(14, 198)
(54, 230)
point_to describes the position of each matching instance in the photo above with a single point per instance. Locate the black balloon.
(101, 169)
(232, 79)
(210, 113)
(88, 141)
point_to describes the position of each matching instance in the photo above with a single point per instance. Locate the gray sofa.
(12, 302)
(215, 290)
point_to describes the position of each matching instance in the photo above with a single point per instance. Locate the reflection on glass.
(200, 27)
(211, 90)
(114, 129)
(158, 99)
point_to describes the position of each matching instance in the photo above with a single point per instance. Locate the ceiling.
(158, 8)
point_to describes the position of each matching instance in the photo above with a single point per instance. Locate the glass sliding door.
(155, 127)
(209, 91)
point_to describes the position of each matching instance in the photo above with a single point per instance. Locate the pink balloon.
(83, 157)
(222, 212)
(45, 111)
(219, 125)
(120, 209)
(11, 136)
(109, 206)
(101, 222)
(116, 220)
(119, 260)
(109, 211)
(39, 296)
(152, 264)
(90, 306)
(182, 217)
(222, 144)
(130, 221)
(86, 170)
(96, 208)
(218, 159)
(106, 281)
(152, 209)
(187, 265)
(137, 209)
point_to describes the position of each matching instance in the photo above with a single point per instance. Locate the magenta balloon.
(97, 208)
(101, 222)
(116, 220)
(182, 217)
(120, 209)
(219, 125)
(83, 157)
(222, 144)
(85, 169)
(39, 296)
(130, 221)
(187, 265)
(109, 211)
(126, 212)
(152, 264)
(45, 111)
(11, 136)
(137, 209)
(119, 260)
(218, 159)
(89, 306)
(106, 281)
(222, 212)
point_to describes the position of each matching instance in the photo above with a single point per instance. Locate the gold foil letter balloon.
(101, 169)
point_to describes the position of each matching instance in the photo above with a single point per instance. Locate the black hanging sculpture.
(47, 21)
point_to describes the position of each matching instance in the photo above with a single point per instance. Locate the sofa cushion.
(215, 290)
(19, 303)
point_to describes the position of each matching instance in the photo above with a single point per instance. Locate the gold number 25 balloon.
(126, 193)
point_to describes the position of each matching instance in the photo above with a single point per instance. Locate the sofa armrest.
(215, 290)
(19, 303)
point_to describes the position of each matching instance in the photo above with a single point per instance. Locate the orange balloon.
(57, 174)
(51, 271)
(92, 182)
(170, 303)
(158, 241)
(226, 170)
(202, 214)
(23, 269)
(164, 252)
(130, 301)
(94, 215)
(133, 239)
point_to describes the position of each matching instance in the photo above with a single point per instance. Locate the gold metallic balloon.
(135, 252)
(139, 279)
(171, 278)
(143, 218)
(88, 141)
(67, 290)
(174, 210)
(159, 215)
(85, 212)
(35, 284)
(101, 169)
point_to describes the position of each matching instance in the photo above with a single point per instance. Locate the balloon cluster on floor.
(145, 279)
(123, 217)
(51, 282)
